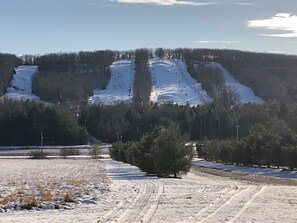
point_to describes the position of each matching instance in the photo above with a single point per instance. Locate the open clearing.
(122, 193)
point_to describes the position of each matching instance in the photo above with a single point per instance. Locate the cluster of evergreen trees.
(270, 144)
(206, 121)
(162, 152)
(21, 123)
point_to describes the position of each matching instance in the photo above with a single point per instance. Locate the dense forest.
(21, 123)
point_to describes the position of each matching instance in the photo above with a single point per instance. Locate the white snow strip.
(21, 84)
(246, 94)
(120, 86)
(173, 84)
(269, 172)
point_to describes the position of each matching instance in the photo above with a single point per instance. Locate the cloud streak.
(219, 41)
(163, 2)
(284, 22)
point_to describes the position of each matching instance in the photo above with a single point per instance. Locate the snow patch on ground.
(269, 172)
(21, 84)
(246, 94)
(173, 84)
(134, 197)
(120, 86)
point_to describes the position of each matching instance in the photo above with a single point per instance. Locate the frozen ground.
(246, 94)
(173, 84)
(269, 172)
(120, 86)
(21, 84)
(135, 197)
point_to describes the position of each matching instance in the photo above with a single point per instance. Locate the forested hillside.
(7, 64)
(271, 76)
(71, 76)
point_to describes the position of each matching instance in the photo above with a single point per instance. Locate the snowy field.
(173, 84)
(134, 197)
(246, 94)
(269, 172)
(21, 84)
(120, 86)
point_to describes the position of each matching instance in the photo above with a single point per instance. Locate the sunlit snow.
(21, 84)
(173, 84)
(120, 86)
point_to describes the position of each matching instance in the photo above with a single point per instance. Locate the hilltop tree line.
(142, 79)
(271, 76)
(8, 62)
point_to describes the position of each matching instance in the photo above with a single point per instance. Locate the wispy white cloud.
(244, 3)
(284, 22)
(218, 41)
(164, 2)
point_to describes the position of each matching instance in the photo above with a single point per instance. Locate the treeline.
(142, 79)
(210, 121)
(270, 144)
(21, 123)
(7, 64)
(162, 152)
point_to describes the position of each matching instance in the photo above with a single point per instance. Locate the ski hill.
(21, 84)
(120, 86)
(173, 84)
(246, 94)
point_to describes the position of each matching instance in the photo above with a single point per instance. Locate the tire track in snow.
(229, 209)
(141, 205)
(247, 205)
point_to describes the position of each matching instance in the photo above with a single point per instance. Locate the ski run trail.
(173, 84)
(132, 196)
(21, 84)
(246, 94)
(120, 86)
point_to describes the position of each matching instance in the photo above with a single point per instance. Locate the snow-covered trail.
(21, 84)
(246, 94)
(173, 84)
(134, 197)
(120, 86)
(194, 198)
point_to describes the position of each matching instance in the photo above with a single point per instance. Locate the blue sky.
(44, 26)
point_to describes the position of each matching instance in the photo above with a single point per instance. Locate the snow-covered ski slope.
(173, 84)
(21, 84)
(246, 94)
(120, 86)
